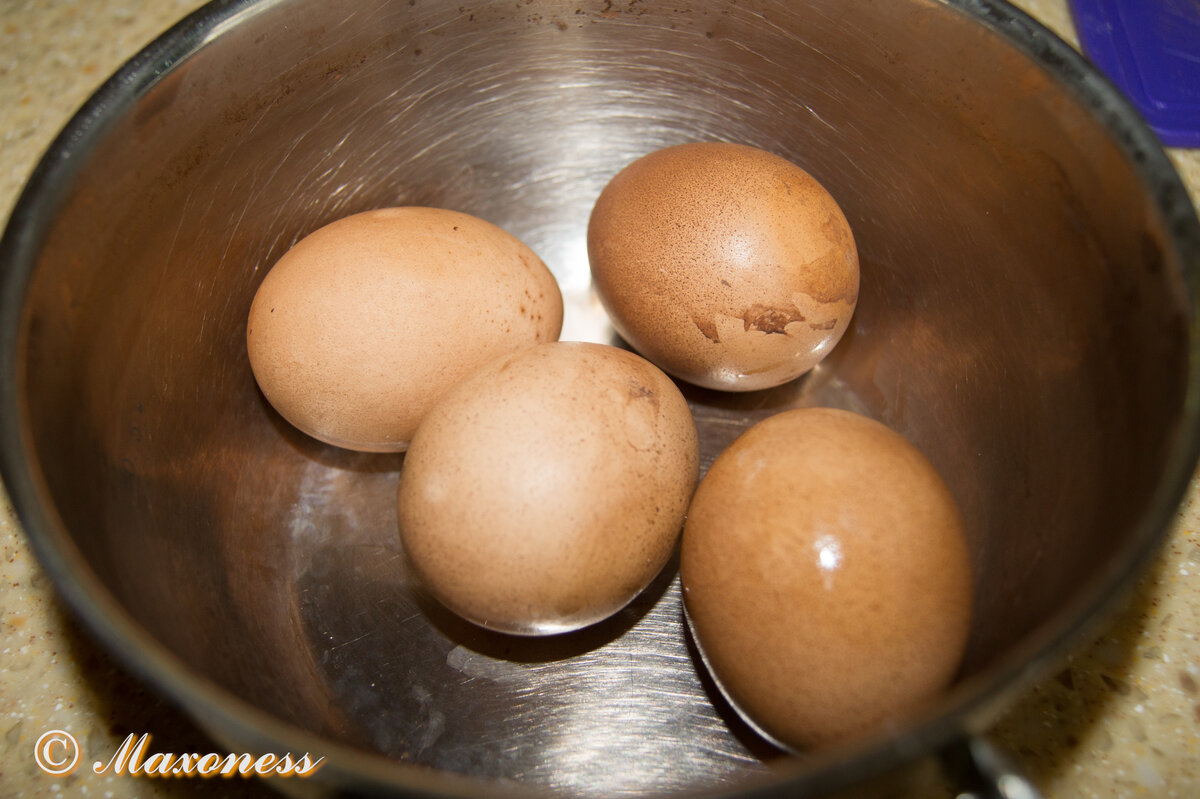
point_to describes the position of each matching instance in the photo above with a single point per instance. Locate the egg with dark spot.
(725, 265)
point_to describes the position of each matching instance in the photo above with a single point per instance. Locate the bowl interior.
(1022, 320)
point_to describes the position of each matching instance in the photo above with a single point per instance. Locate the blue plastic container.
(1151, 50)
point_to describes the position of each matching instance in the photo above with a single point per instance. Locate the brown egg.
(546, 491)
(725, 265)
(363, 323)
(825, 577)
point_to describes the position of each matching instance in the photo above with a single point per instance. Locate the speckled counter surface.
(1121, 719)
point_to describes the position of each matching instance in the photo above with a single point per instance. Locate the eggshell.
(727, 266)
(362, 324)
(546, 491)
(826, 577)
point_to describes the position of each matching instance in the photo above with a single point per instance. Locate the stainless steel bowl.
(1029, 271)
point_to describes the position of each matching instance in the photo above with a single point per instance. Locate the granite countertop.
(1121, 719)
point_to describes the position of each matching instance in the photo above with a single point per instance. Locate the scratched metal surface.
(270, 564)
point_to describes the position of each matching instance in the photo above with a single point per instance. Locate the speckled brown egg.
(826, 577)
(727, 266)
(362, 324)
(543, 493)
